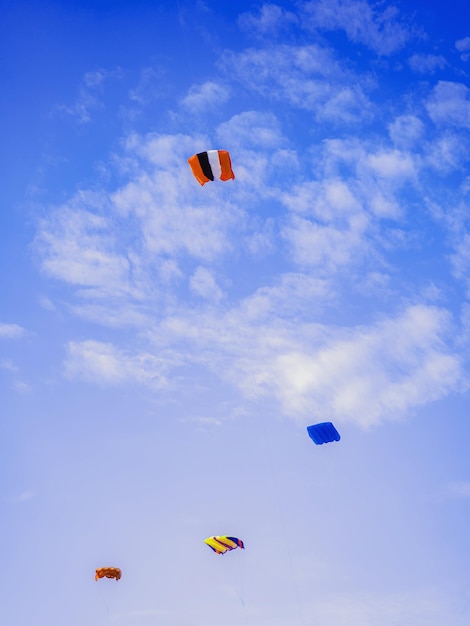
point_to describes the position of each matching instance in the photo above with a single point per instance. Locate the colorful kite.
(108, 572)
(323, 433)
(222, 544)
(210, 165)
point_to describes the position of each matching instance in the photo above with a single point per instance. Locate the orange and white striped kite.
(210, 165)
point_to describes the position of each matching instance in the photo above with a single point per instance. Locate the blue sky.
(163, 345)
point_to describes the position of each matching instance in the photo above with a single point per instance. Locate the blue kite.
(323, 433)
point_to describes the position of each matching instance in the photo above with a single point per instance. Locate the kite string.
(282, 519)
(107, 604)
(235, 582)
(242, 594)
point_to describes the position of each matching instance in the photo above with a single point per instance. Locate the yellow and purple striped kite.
(223, 544)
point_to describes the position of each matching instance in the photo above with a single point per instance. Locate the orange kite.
(108, 572)
(210, 165)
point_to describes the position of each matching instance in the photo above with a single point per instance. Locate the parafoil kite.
(222, 544)
(108, 572)
(212, 164)
(323, 433)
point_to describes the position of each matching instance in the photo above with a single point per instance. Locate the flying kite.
(222, 544)
(323, 433)
(212, 164)
(108, 572)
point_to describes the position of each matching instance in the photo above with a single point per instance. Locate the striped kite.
(323, 433)
(108, 572)
(212, 164)
(222, 544)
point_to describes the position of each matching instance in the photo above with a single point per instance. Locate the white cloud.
(89, 98)
(114, 312)
(463, 45)
(170, 222)
(252, 129)
(360, 374)
(47, 303)
(326, 247)
(330, 198)
(447, 152)
(171, 218)
(9, 366)
(449, 103)
(392, 164)
(292, 294)
(270, 20)
(151, 86)
(381, 30)
(203, 283)
(328, 227)
(307, 77)
(11, 331)
(460, 258)
(202, 98)
(103, 363)
(373, 373)
(77, 245)
(373, 167)
(427, 63)
(206, 422)
(336, 221)
(21, 387)
(406, 130)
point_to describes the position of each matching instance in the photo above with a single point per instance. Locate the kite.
(222, 544)
(108, 572)
(323, 433)
(212, 164)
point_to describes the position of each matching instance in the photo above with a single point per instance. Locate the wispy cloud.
(427, 63)
(203, 283)
(105, 364)
(380, 28)
(406, 130)
(460, 258)
(8, 365)
(21, 387)
(334, 220)
(362, 374)
(307, 77)
(11, 331)
(90, 95)
(24, 496)
(447, 153)
(254, 129)
(270, 19)
(459, 489)
(76, 245)
(463, 46)
(449, 103)
(206, 422)
(151, 86)
(202, 98)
